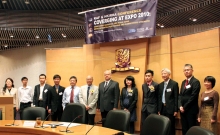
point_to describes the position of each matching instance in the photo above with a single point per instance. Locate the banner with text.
(130, 21)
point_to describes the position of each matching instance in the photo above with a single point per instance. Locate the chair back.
(31, 113)
(73, 110)
(118, 120)
(197, 130)
(156, 125)
(0, 114)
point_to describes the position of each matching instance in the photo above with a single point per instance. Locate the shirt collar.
(189, 78)
(150, 83)
(167, 81)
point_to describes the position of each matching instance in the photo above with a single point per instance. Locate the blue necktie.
(163, 96)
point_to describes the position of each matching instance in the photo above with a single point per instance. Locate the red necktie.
(72, 95)
(186, 83)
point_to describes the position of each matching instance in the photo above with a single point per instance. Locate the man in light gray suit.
(88, 96)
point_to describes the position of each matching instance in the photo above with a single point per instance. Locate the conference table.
(80, 129)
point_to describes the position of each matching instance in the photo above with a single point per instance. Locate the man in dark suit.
(55, 97)
(108, 95)
(188, 99)
(168, 98)
(40, 98)
(150, 95)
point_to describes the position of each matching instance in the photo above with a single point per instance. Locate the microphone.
(119, 133)
(68, 131)
(13, 124)
(92, 127)
(42, 126)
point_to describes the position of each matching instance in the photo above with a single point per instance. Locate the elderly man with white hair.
(168, 98)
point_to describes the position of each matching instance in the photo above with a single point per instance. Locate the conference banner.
(124, 22)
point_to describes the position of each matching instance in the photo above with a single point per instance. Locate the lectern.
(6, 105)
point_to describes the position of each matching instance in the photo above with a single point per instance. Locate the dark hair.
(210, 79)
(73, 77)
(188, 65)
(56, 76)
(150, 71)
(131, 78)
(24, 78)
(43, 75)
(4, 88)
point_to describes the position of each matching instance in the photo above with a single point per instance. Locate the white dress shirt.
(24, 95)
(67, 93)
(41, 92)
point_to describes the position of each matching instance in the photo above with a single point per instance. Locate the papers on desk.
(65, 124)
(29, 124)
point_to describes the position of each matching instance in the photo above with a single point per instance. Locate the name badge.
(206, 98)
(45, 91)
(188, 86)
(169, 90)
(129, 94)
(60, 93)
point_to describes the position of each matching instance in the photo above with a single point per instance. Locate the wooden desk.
(77, 130)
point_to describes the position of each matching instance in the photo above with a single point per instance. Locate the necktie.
(57, 90)
(187, 82)
(163, 96)
(106, 84)
(88, 94)
(72, 95)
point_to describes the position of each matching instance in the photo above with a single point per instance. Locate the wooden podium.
(6, 105)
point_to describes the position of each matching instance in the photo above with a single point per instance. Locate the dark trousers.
(131, 127)
(22, 107)
(187, 120)
(104, 114)
(15, 112)
(172, 119)
(57, 114)
(90, 118)
(41, 104)
(144, 115)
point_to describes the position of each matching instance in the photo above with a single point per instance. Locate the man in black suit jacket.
(55, 97)
(150, 95)
(40, 98)
(188, 99)
(168, 98)
(108, 95)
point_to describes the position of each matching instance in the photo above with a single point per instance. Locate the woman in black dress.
(128, 100)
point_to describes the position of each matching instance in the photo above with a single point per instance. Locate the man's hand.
(114, 108)
(87, 108)
(175, 113)
(158, 113)
(181, 109)
(212, 121)
(98, 110)
(17, 109)
(126, 110)
(49, 111)
(199, 119)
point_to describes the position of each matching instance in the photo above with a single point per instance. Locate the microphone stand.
(13, 124)
(92, 127)
(68, 131)
(42, 126)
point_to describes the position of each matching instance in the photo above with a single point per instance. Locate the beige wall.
(201, 50)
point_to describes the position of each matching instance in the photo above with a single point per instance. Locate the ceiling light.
(4, 1)
(193, 19)
(161, 26)
(27, 44)
(5, 45)
(37, 36)
(11, 36)
(27, 2)
(64, 35)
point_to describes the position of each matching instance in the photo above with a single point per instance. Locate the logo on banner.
(122, 57)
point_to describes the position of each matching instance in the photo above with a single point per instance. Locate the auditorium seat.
(118, 120)
(197, 130)
(31, 113)
(156, 125)
(73, 110)
(0, 114)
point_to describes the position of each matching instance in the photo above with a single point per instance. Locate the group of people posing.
(164, 98)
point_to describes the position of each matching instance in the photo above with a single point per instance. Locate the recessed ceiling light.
(27, 2)
(162, 26)
(11, 36)
(64, 35)
(27, 44)
(193, 19)
(37, 36)
(5, 45)
(4, 1)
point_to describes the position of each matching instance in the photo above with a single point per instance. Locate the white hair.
(166, 70)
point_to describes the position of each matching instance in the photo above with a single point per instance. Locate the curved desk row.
(77, 130)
